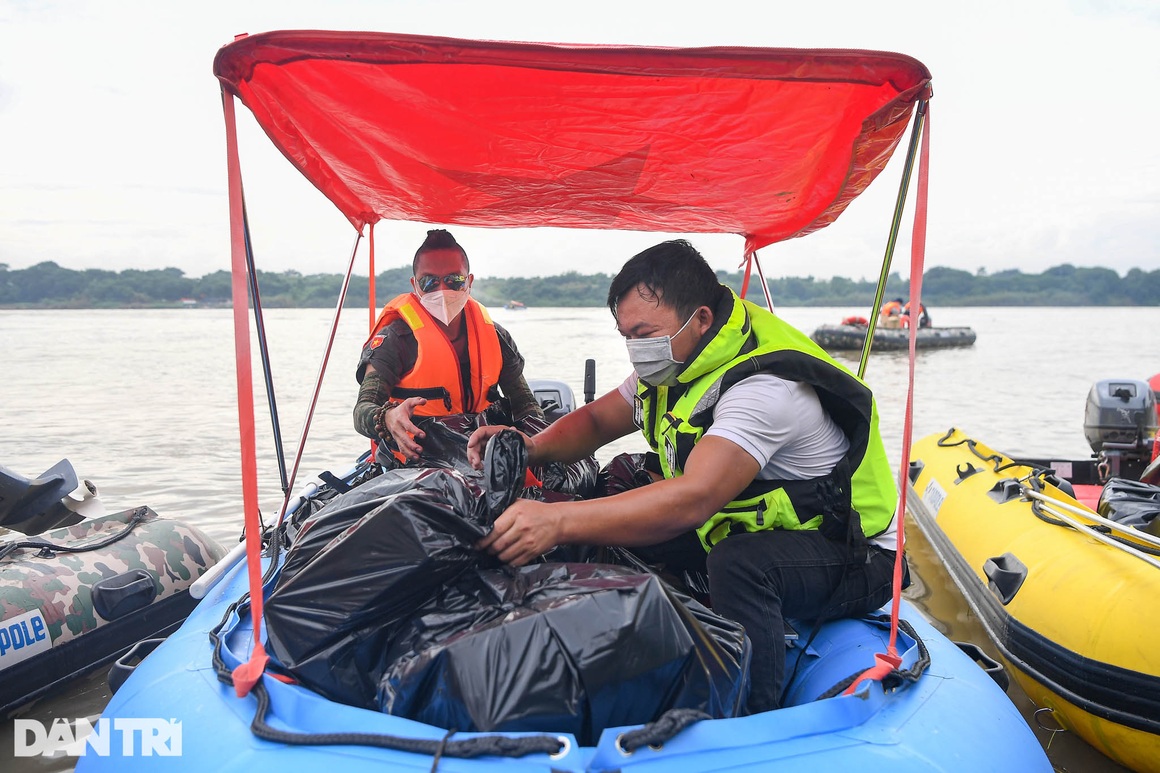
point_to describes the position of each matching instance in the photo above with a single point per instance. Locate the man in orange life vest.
(890, 315)
(923, 316)
(436, 352)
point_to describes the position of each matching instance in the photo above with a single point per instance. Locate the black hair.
(439, 239)
(674, 273)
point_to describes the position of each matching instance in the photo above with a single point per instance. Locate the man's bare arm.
(716, 472)
(570, 438)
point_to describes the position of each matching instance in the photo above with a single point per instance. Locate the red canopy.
(768, 143)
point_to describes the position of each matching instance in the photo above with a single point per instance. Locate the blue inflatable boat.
(930, 715)
(766, 143)
(952, 717)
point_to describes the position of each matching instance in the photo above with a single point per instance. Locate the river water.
(143, 403)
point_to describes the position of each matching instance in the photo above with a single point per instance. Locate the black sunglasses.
(429, 282)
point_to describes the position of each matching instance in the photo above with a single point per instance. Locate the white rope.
(1051, 504)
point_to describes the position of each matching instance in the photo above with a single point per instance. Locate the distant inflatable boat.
(850, 336)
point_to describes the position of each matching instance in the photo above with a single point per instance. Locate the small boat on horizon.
(851, 336)
(891, 331)
(515, 306)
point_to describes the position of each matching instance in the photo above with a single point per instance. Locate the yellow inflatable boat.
(1070, 598)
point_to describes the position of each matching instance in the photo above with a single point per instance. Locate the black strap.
(430, 393)
(48, 548)
(484, 745)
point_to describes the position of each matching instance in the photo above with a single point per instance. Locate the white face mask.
(445, 305)
(653, 358)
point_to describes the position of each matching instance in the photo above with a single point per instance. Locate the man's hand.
(477, 443)
(403, 431)
(525, 531)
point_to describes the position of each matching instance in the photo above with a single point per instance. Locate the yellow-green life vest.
(856, 500)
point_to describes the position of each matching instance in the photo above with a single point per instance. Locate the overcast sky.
(1043, 127)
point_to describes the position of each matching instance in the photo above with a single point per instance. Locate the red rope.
(247, 674)
(372, 304)
(885, 663)
(372, 301)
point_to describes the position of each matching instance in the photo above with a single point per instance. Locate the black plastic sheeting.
(571, 648)
(627, 471)
(1131, 503)
(383, 602)
(445, 446)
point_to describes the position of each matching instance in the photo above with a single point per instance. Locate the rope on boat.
(491, 745)
(1097, 531)
(997, 460)
(895, 678)
(654, 734)
(47, 549)
(484, 745)
(1049, 510)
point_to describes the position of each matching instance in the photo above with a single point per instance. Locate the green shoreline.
(49, 286)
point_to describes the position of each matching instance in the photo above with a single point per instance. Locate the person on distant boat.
(436, 352)
(923, 317)
(775, 476)
(890, 316)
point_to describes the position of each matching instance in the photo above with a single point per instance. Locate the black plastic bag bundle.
(1131, 503)
(565, 648)
(445, 446)
(575, 478)
(383, 602)
(625, 472)
(362, 564)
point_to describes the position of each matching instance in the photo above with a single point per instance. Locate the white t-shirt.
(782, 425)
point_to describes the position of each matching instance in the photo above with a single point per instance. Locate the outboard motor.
(51, 500)
(554, 396)
(1120, 424)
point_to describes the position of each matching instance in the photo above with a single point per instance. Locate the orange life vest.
(436, 373)
(923, 318)
(891, 309)
(921, 309)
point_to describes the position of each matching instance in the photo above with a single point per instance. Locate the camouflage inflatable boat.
(74, 598)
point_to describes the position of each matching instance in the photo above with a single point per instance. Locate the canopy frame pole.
(267, 370)
(761, 276)
(321, 374)
(892, 239)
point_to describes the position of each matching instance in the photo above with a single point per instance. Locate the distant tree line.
(47, 285)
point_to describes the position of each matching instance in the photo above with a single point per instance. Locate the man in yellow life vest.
(436, 352)
(770, 454)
